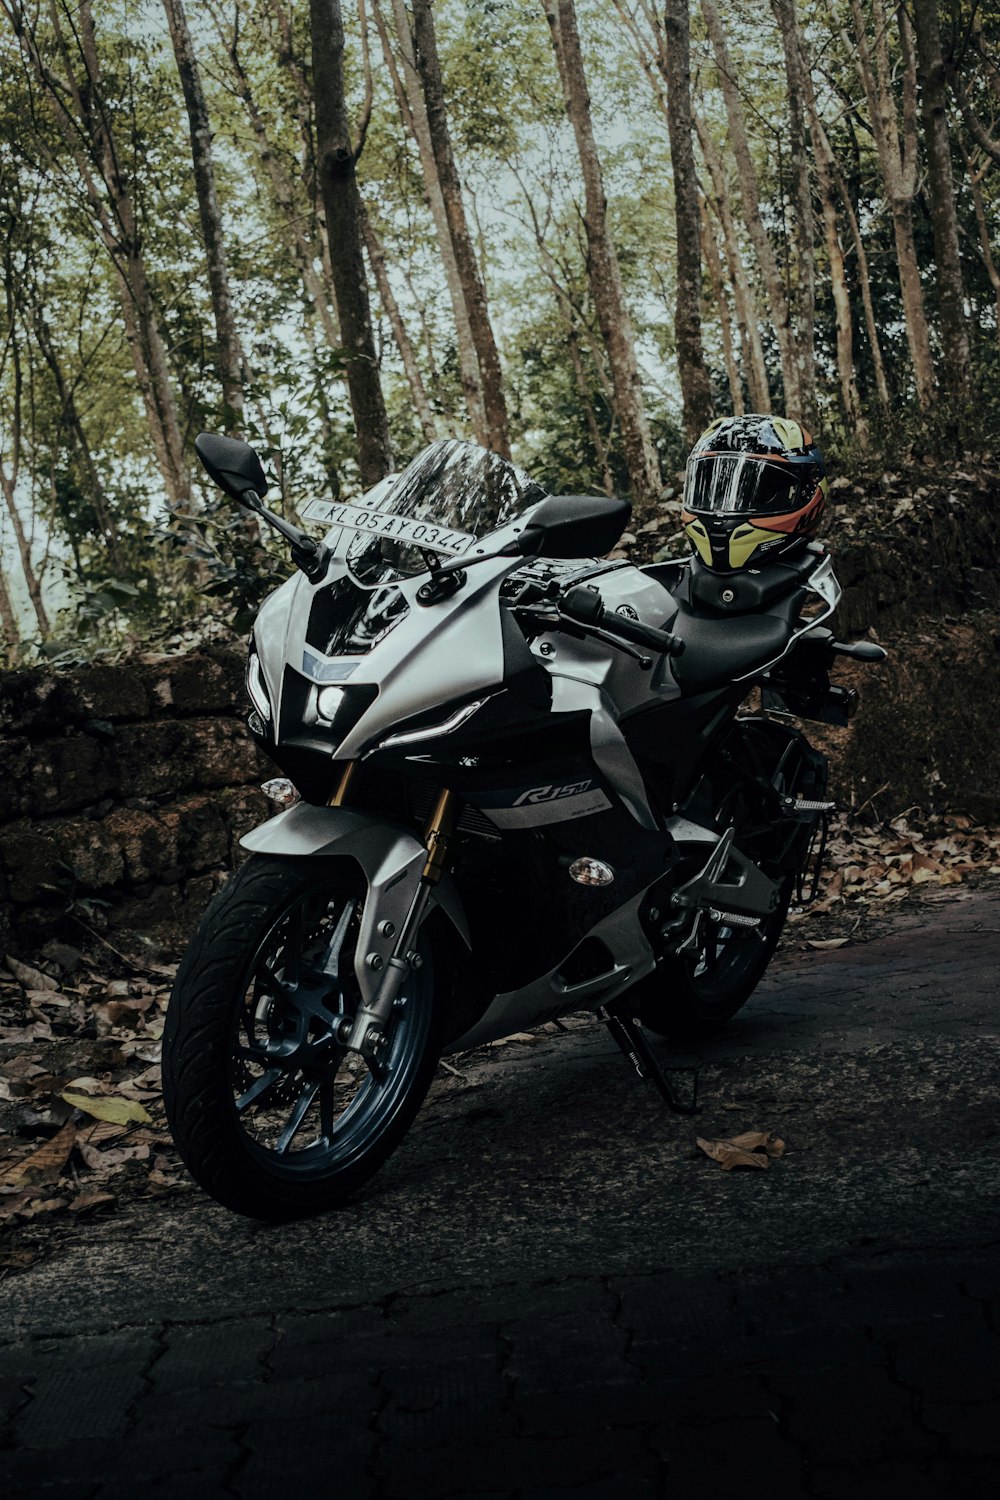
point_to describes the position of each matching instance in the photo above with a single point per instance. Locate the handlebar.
(583, 606)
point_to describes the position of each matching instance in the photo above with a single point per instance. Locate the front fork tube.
(368, 1029)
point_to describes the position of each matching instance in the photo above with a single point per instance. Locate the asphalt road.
(551, 1290)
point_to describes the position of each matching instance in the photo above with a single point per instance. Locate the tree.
(695, 384)
(342, 203)
(495, 433)
(603, 268)
(227, 338)
(951, 295)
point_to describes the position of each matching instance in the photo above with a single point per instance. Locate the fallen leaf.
(32, 979)
(752, 1149)
(45, 1164)
(826, 942)
(118, 1111)
(87, 1202)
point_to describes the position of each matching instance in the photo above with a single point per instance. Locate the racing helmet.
(755, 487)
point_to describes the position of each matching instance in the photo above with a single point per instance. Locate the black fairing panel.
(669, 740)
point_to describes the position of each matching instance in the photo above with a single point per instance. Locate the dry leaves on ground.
(80, 1106)
(866, 865)
(755, 1148)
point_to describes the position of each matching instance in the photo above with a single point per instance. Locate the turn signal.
(587, 871)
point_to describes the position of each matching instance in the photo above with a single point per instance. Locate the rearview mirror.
(574, 526)
(232, 465)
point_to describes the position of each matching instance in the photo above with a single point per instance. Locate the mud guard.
(391, 859)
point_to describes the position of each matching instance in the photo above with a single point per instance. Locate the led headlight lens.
(328, 702)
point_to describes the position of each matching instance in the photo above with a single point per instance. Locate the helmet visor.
(735, 483)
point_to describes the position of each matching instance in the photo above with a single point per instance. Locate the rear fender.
(391, 859)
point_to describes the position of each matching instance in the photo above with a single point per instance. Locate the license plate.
(384, 523)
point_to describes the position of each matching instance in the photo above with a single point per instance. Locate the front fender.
(391, 859)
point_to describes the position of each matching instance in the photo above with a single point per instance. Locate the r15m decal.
(552, 803)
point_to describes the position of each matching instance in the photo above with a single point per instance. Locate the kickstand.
(629, 1036)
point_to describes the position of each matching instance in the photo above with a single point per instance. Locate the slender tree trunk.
(944, 223)
(985, 244)
(10, 636)
(376, 258)
(83, 120)
(771, 275)
(744, 300)
(696, 387)
(605, 274)
(900, 170)
(586, 396)
(413, 108)
(72, 420)
(342, 203)
(715, 276)
(24, 552)
(227, 339)
(473, 289)
(823, 158)
(864, 280)
(805, 229)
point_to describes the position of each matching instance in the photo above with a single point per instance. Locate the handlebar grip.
(643, 635)
(584, 607)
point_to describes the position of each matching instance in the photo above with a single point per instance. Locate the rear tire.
(271, 1115)
(692, 996)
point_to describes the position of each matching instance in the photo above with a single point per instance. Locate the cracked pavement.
(550, 1290)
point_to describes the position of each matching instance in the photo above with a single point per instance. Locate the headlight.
(328, 702)
(256, 688)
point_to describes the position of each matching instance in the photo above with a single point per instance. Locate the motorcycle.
(523, 780)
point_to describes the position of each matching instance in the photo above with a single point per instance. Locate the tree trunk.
(342, 203)
(473, 289)
(823, 157)
(900, 172)
(90, 143)
(407, 353)
(982, 224)
(605, 274)
(24, 552)
(864, 281)
(714, 265)
(227, 339)
(696, 387)
(944, 223)
(10, 636)
(413, 108)
(805, 229)
(744, 300)
(73, 422)
(750, 192)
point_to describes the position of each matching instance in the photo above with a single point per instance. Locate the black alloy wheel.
(272, 1114)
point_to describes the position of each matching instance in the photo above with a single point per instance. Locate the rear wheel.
(693, 994)
(270, 1112)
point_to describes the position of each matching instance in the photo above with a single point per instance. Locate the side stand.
(629, 1036)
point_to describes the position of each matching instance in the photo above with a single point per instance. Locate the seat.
(719, 648)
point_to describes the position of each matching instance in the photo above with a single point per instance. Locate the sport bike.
(529, 781)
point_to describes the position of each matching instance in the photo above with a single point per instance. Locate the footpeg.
(802, 805)
(629, 1036)
(732, 918)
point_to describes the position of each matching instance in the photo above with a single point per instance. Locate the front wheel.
(271, 1114)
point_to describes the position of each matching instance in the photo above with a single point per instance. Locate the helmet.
(754, 487)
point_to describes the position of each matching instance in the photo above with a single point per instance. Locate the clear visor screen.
(735, 482)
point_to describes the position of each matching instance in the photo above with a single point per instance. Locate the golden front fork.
(340, 795)
(440, 826)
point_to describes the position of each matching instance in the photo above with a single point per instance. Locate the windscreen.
(450, 495)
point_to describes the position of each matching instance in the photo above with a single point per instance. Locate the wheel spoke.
(258, 1089)
(299, 1111)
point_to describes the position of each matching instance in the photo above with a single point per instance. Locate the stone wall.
(124, 791)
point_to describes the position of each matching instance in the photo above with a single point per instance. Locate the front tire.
(270, 1113)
